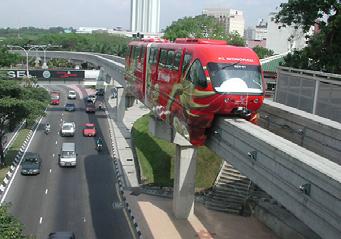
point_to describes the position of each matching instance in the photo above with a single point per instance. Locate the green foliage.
(10, 227)
(235, 39)
(156, 159)
(262, 52)
(18, 103)
(202, 26)
(7, 58)
(323, 52)
(195, 27)
(97, 42)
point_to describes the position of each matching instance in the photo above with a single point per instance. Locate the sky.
(115, 13)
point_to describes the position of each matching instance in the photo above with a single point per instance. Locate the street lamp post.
(44, 48)
(26, 52)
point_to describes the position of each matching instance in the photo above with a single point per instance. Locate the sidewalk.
(154, 214)
(156, 221)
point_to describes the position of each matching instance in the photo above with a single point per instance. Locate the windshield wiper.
(229, 65)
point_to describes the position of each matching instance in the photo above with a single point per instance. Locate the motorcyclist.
(47, 127)
(99, 143)
(100, 106)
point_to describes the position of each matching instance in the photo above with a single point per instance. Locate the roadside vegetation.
(156, 159)
(13, 151)
(323, 52)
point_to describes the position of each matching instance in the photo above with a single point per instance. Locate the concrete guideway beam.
(305, 183)
(320, 135)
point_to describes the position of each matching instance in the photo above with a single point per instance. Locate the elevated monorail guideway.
(307, 184)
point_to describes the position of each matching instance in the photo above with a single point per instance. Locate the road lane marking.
(16, 171)
(46, 191)
(56, 142)
(40, 220)
(84, 220)
(52, 155)
(50, 170)
(61, 119)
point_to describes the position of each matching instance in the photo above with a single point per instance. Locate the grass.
(156, 159)
(12, 152)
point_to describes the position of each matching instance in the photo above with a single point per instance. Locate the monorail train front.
(229, 82)
(239, 88)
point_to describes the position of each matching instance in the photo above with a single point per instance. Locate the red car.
(89, 130)
(55, 98)
(90, 108)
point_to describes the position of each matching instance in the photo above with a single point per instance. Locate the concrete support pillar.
(120, 103)
(184, 181)
(185, 168)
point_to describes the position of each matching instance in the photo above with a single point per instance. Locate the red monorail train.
(188, 82)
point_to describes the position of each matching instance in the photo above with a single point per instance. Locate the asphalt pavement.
(76, 199)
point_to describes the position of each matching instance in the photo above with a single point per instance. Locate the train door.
(151, 75)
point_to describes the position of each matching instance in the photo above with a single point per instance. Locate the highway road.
(76, 199)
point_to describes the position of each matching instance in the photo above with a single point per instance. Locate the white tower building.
(145, 16)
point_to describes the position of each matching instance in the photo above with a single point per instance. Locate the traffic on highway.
(66, 180)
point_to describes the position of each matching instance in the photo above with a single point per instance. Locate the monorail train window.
(143, 50)
(170, 59)
(163, 58)
(235, 78)
(177, 61)
(187, 60)
(151, 55)
(197, 75)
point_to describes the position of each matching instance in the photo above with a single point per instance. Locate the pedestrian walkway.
(156, 221)
(154, 214)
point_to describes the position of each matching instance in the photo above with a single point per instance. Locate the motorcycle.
(99, 147)
(47, 130)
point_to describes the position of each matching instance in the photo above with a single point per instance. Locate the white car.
(72, 95)
(68, 129)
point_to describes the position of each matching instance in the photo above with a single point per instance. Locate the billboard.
(48, 74)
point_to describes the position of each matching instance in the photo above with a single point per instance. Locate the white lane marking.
(40, 220)
(62, 114)
(56, 142)
(46, 191)
(50, 170)
(61, 119)
(16, 171)
(84, 220)
(52, 155)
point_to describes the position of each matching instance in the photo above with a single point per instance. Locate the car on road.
(68, 129)
(72, 95)
(62, 235)
(31, 164)
(70, 107)
(68, 155)
(100, 91)
(91, 98)
(90, 108)
(89, 130)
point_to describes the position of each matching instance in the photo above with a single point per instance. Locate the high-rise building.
(283, 39)
(145, 16)
(233, 20)
(261, 32)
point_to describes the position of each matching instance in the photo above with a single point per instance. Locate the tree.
(18, 103)
(7, 58)
(262, 52)
(202, 26)
(195, 27)
(10, 227)
(235, 39)
(324, 49)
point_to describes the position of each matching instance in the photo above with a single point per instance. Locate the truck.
(68, 155)
(55, 98)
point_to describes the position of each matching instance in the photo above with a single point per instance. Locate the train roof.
(210, 50)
